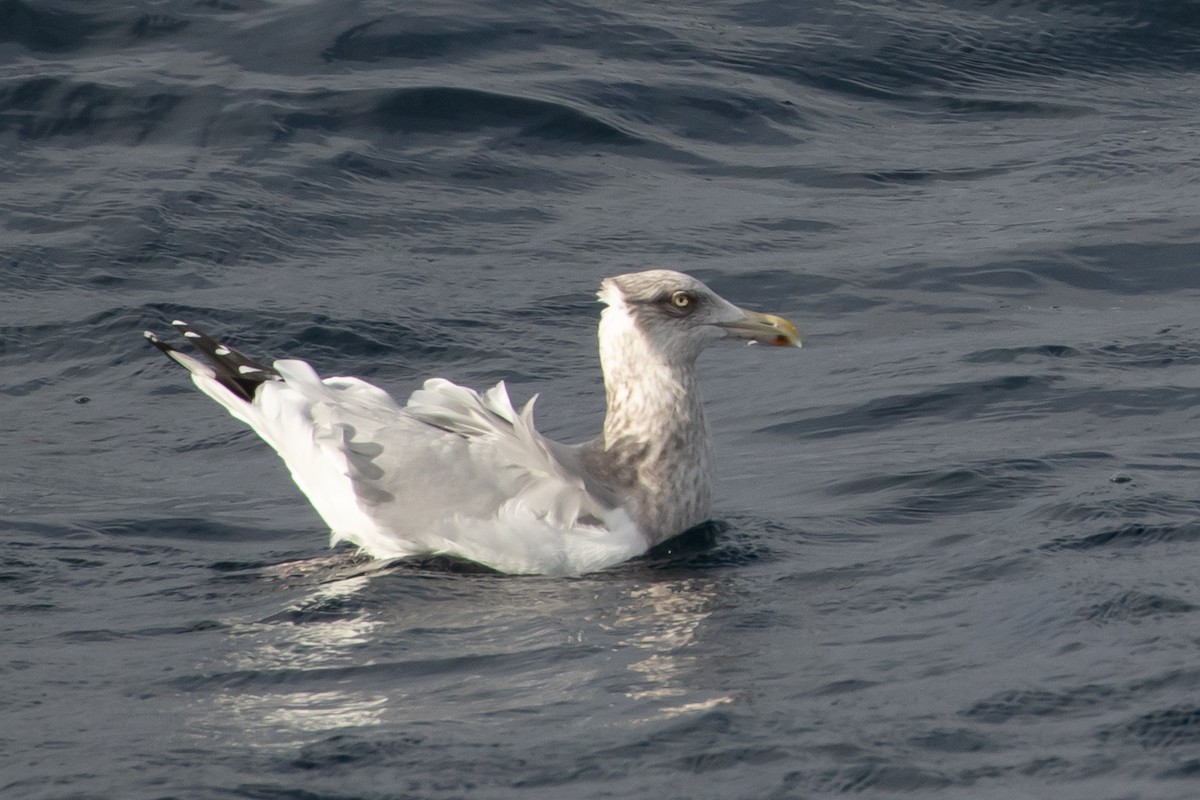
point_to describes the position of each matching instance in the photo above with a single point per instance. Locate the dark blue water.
(959, 532)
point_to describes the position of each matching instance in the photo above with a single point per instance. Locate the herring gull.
(456, 472)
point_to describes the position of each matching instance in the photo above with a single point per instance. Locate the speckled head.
(679, 316)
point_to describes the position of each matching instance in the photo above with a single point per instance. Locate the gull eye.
(682, 300)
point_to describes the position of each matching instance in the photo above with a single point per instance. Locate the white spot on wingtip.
(150, 335)
(244, 370)
(222, 350)
(191, 334)
(179, 322)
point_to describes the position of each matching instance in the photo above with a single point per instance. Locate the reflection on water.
(386, 648)
(285, 658)
(323, 628)
(663, 621)
(278, 713)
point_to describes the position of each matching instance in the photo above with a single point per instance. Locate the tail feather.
(233, 370)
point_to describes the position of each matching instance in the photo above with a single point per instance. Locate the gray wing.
(453, 471)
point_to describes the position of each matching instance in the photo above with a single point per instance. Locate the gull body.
(462, 473)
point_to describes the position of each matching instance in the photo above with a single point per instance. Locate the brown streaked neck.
(655, 443)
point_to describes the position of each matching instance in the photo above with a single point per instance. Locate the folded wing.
(452, 472)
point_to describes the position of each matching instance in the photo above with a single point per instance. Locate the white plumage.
(461, 473)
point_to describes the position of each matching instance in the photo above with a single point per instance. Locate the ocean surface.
(957, 536)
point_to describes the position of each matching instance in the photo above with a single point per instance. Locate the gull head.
(679, 316)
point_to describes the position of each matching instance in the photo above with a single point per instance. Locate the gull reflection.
(269, 718)
(356, 653)
(662, 621)
(291, 682)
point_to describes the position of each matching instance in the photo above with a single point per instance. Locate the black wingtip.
(153, 339)
(236, 371)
